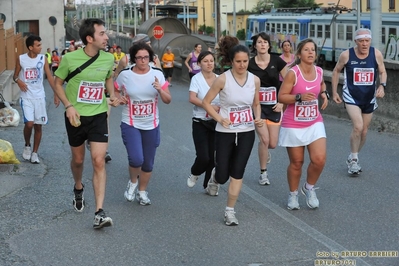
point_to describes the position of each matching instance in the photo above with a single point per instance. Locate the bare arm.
(342, 60)
(256, 104)
(216, 87)
(186, 63)
(382, 74)
(284, 94)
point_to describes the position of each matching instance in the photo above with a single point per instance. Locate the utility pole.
(234, 19)
(375, 18)
(117, 17)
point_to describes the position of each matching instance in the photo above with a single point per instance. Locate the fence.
(11, 46)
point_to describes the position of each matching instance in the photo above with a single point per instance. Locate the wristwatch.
(383, 84)
(298, 98)
(327, 94)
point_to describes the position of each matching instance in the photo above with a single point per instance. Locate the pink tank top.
(306, 113)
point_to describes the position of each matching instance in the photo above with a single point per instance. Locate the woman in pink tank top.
(302, 124)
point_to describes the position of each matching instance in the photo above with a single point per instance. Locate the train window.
(284, 28)
(392, 31)
(340, 32)
(312, 30)
(273, 28)
(327, 31)
(319, 31)
(278, 27)
(349, 32)
(383, 35)
(267, 27)
(290, 28)
(296, 28)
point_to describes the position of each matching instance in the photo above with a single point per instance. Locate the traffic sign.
(158, 32)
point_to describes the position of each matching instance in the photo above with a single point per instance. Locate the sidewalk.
(15, 177)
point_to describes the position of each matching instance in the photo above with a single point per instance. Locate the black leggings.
(232, 154)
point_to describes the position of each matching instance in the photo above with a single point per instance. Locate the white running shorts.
(34, 110)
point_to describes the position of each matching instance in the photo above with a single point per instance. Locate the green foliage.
(296, 3)
(209, 30)
(202, 28)
(241, 34)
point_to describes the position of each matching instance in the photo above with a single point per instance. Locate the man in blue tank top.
(361, 65)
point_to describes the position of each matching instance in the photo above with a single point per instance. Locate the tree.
(296, 3)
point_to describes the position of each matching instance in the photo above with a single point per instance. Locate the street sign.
(158, 32)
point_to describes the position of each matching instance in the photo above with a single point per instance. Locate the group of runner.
(228, 109)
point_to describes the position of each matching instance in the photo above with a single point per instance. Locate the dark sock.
(263, 170)
(97, 212)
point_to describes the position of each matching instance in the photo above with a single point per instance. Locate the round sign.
(158, 32)
(52, 20)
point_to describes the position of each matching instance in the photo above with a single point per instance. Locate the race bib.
(306, 111)
(268, 95)
(363, 76)
(169, 64)
(91, 92)
(31, 74)
(143, 109)
(240, 116)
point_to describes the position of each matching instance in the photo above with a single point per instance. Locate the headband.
(362, 36)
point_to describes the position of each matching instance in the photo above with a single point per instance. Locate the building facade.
(44, 18)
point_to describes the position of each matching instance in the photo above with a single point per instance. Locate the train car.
(331, 30)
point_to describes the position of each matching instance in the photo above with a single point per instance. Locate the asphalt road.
(185, 226)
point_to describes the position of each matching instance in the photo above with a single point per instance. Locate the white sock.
(142, 193)
(229, 209)
(294, 193)
(308, 186)
(354, 156)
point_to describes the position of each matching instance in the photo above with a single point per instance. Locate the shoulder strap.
(82, 67)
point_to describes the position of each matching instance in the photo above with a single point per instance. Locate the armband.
(165, 85)
(66, 107)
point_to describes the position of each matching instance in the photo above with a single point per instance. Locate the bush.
(209, 30)
(241, 34)
(202, 28)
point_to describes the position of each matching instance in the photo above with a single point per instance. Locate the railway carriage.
(332, 31)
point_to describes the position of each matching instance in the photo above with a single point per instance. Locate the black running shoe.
(101, 220)
(78, 201)
(107, 157)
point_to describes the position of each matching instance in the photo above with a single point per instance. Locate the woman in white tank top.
(238, 92)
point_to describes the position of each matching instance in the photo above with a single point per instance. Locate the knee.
(98, 162)
(319, 160)
(135, 162)
(296, 164)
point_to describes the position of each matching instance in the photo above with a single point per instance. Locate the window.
(297, 28)
(340, 32)
(273, 28)
(319, 31)
(349, 32)
(368, 4)
(267, 27)
(391, 4)
(312, 30)
(327, 32)
(278, 27)
(290, 28)
(392, 31)
(284, 28)
(383, 35)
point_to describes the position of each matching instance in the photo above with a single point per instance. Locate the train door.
(303, 28)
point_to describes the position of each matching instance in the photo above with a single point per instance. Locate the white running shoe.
(263, 179)
(230, 218)
(34, 158)
(27, 153)
(213, 188)
(293, 203)
(130, 191)
(311, 198)
(191, 180)
(143, 199)
(349, 164)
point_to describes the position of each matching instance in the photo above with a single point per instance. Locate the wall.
(386, 117)
(41, 11)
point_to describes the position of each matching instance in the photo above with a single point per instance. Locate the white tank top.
(32, 71)
(236, 104)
